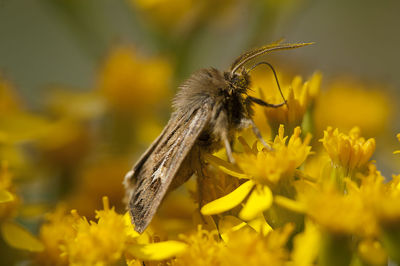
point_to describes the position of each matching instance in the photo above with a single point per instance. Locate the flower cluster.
(106, 241)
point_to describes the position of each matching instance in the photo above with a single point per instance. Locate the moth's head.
(238, 75)
(239, 81)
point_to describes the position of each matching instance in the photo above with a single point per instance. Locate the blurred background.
(46, 43)
(85, 86)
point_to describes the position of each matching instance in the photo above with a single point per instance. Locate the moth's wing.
(131, 177)
(247, 57)
(162, 164)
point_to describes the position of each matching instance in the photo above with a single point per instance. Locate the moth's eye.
(234, 77)
(221, 91)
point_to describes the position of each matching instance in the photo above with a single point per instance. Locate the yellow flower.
(56, 222)
(242, 248)
(266, 171)
(131, 82)
(73, 240)
(300, 97)
(348, 102)
(350, 151)
(97, 243)
(270, 167)
(380, 198)
(203, 249)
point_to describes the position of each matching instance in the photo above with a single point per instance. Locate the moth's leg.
(199, 166)
(200, 182)
(257, 132)
(228, 148)
(221, 130)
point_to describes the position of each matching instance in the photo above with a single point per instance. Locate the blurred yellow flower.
(75, 106)
(8, 199)
(65, 143)
(9, 100)
(131, 82)
(97, 179)
(341, 214)
(300, 97)
(386, 198)
(17, 124)
(306, 245)
(348, 151)
(347, 103)
(372, 252)
(166, 14)
(13, 234)
(398, 137)
(18, 127)
(180, 16)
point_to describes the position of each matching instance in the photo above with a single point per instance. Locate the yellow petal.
(260, 200)
(289, 204)
(260, 225)
(18, 237)
(225, 167)
(5, 196)
(306, 245)
(229, 224)
(157, 251)
(229, 201)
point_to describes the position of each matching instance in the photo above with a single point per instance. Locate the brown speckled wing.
(160, 163)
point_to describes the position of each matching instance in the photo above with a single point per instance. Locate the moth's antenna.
(276, 77)
(243, 59)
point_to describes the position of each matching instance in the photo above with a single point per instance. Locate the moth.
(209, 108)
